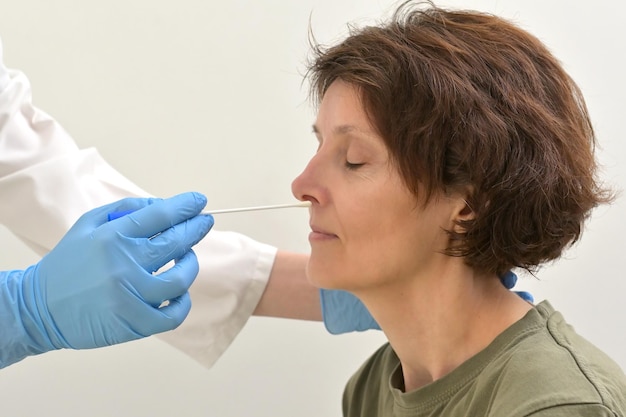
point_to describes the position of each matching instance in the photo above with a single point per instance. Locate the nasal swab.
(117, 214)
(276, 206)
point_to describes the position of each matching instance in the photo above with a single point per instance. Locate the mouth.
(321, 234)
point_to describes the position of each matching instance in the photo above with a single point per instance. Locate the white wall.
(207, 96)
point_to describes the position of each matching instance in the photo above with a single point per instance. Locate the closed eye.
(353, 166)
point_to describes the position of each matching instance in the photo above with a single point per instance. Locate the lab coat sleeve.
(47, 182)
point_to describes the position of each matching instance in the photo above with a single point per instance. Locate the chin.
(321, 276)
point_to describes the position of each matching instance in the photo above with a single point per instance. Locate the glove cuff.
(20, 327)
(39, 323)
(26, 326)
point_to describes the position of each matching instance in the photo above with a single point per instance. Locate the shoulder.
(553, 366)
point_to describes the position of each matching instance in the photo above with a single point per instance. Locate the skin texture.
(370, 235)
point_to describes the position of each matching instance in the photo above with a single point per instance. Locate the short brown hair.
(469, 101)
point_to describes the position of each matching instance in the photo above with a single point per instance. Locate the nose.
(306, 186)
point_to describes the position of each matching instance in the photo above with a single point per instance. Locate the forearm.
(288, 293)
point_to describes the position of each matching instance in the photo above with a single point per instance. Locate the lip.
(318, 234)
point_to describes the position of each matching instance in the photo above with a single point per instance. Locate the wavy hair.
(467, 101)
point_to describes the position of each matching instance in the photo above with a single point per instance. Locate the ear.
(462, 211)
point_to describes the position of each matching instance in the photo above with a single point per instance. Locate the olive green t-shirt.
(537, 367)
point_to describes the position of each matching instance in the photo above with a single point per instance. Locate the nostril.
(312, 200)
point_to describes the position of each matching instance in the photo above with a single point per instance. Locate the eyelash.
(352, 166)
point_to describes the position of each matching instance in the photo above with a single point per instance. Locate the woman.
(452, 147)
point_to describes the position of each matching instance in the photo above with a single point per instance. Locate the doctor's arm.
(288, 277)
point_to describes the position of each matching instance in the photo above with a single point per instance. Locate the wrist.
(24, 331)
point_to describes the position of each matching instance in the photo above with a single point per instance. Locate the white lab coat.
(46, 183)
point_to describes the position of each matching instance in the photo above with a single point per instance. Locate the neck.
(436, 322)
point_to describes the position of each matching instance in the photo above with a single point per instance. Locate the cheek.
(373, 246)
(325, 267)
(336, 263)
(369, 263)
(377, 225)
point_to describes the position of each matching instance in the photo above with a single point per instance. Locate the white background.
(208, 96)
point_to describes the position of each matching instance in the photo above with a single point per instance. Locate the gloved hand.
(97, 287)
(343, 312)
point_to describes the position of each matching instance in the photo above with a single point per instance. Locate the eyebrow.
(342, 130)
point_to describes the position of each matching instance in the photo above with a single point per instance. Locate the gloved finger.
(509, 279)
(173, 314)
(160, 215)
(169, 284)
(171, 244)
(526, 296)
(147, 319)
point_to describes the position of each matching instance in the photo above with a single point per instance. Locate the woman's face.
(367, 229)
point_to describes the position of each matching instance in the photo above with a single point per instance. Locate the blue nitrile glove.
(97, 287)
(343, 312)
(509, 279)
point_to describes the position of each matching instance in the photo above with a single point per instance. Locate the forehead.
(341, 110)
